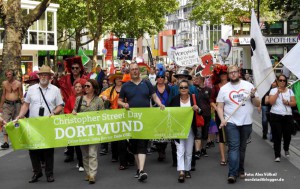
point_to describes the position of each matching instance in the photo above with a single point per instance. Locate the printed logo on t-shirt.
(237, 97)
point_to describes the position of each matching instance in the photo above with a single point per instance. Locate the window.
(50, 21)
(42, 23)
(42, 38)
(246, 29)
(33, 38)
(293, 27)
(42, 31)
(50, 38)
(215, 35)
(276, 28)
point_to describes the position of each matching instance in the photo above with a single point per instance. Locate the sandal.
(223, 163)
(122, 167)
(181, 178)
(188, 174)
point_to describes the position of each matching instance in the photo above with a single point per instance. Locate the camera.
(41, 111)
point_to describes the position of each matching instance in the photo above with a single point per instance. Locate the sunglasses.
(281, 80)
(88, 86)
(75, 68)
(160, 77)
(184, 87)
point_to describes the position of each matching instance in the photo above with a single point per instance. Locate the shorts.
(138, 146)
(10, 112)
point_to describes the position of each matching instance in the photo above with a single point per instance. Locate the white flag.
(291, 60)
(263, 73)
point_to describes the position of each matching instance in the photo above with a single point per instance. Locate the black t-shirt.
(137, 95)
(204, 98)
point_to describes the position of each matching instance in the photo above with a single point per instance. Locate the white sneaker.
(81, 169)
(277, 159)
(77, 166)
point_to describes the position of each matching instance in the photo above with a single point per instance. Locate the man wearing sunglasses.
(65, 83)
(75, 69)
(235, 104)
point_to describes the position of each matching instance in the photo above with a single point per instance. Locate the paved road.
(15, 171)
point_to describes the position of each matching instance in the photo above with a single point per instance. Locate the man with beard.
(11, 100)
(235, 103)
(42, 99)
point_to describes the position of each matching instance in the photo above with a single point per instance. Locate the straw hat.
(112, 77)
(45, 70)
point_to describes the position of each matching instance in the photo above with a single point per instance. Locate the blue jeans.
(237, 142)
(264, 119)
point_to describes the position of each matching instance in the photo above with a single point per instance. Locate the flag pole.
(293, 83)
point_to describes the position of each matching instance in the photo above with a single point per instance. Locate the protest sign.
(187, 56)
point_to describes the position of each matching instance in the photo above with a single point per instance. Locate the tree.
(228, 11)
(15, 26)
(285, 5)
(132, 18)
(72, 21)
(142, 17)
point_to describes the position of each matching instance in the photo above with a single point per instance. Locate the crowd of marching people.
(225, 101)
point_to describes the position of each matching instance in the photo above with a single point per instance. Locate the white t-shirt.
(279, 107)
(188, 104)
(152, 78)
(35, 99)
(232, 96)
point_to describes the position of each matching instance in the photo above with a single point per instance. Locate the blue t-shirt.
(137, 95)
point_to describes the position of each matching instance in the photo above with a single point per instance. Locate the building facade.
(280, 38)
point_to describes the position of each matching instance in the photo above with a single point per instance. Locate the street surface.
(16, 170)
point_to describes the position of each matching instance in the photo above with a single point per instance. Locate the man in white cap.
(42, 99)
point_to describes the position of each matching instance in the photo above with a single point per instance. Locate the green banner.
(99, 127)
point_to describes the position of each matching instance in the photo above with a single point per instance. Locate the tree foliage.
(285, 5)
(132, 18)
(71, 21)
(228, 11)
(143, 16)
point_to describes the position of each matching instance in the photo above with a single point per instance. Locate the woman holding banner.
(111, 95)
(86, 103)
(185, 146)
(281, 119)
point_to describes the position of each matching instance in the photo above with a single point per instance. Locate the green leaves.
(229, 11)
